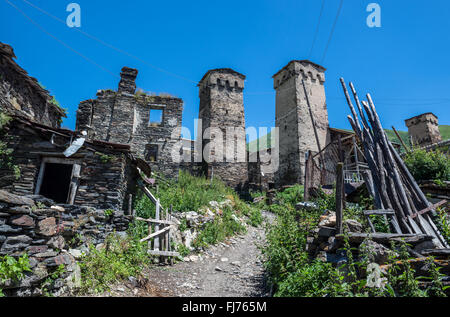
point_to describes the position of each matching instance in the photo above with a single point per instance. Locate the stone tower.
(424, 129)
(292, 117)
(223, 126)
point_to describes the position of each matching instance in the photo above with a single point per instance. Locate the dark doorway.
(56, 182)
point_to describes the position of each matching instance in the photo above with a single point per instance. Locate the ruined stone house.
(150, 125)
(23, 95)
(97, 173)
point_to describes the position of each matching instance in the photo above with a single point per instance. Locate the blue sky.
(404, 64)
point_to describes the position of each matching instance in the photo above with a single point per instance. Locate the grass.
(118, 260)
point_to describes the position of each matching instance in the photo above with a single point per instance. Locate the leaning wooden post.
(157, 225)
(169, 236)
(308, 167)
(130, 205)
(339, 196)
(401, 140)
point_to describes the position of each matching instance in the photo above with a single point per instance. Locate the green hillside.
(444, 129)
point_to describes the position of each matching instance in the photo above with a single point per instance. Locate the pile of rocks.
(189, 224)
(51, 235)
(323, 243)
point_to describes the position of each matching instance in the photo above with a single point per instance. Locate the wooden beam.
(401, 141)
(156, 234)
(339, 196)
(429, 208)
(313, 124)
(379, 212)
(162, 222)
(162, 253)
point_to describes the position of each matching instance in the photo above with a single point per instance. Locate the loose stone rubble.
(51, 235)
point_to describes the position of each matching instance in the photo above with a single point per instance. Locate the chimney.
(128, 80)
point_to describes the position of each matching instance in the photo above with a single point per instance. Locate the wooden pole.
(401, 140)
(157, 225)
(313, 124)
(130, 205)
(308, 174)
(339, 195)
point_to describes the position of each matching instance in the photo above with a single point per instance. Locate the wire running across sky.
(317, 29)
(107, 44)
(332, 31)
(60, 41)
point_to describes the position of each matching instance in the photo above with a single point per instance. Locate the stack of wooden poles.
(389, 181)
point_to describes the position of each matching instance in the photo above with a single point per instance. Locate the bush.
(12, 269)
(293, 273)
(432, 165)
(291, 195)
(189, 193)
(119, 259)
(220, 229)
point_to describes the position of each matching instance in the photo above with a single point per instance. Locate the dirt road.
(232, 268)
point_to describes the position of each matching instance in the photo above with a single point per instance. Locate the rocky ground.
(232, 268)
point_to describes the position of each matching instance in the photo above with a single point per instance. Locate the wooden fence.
(160, 229)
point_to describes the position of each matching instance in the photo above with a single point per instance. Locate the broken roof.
(70, 134)
(8, 56)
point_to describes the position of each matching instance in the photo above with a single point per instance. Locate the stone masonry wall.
(222, 107)
(105, 178)
(51, 235)
(296, 132)
(424, 129)
(123, 117)
(22, 94)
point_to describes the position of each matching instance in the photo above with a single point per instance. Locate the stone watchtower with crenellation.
(221, 112)
(292, 117)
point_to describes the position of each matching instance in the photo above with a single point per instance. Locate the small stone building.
(296, 132)
(96, 173)
(23, 95)
(424, 129)
(151, 125)
(223, 120)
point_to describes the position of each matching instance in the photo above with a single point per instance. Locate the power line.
(60, 41)
(317, 29)
(109, 45)
(332, 30)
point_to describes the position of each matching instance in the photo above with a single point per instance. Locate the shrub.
(293, 273)
(432, 165)
(12, 269)
(119, 259)
(220, 229)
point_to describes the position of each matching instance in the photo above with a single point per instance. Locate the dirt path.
(232, 268)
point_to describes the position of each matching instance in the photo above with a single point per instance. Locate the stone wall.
(424, 129)
(124, 117)
(259, 179)
(222, 108)
(296, 132)
(51, 235)
(106, 174)
(22, 94)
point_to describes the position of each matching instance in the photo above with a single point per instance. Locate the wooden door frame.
(76, 168)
